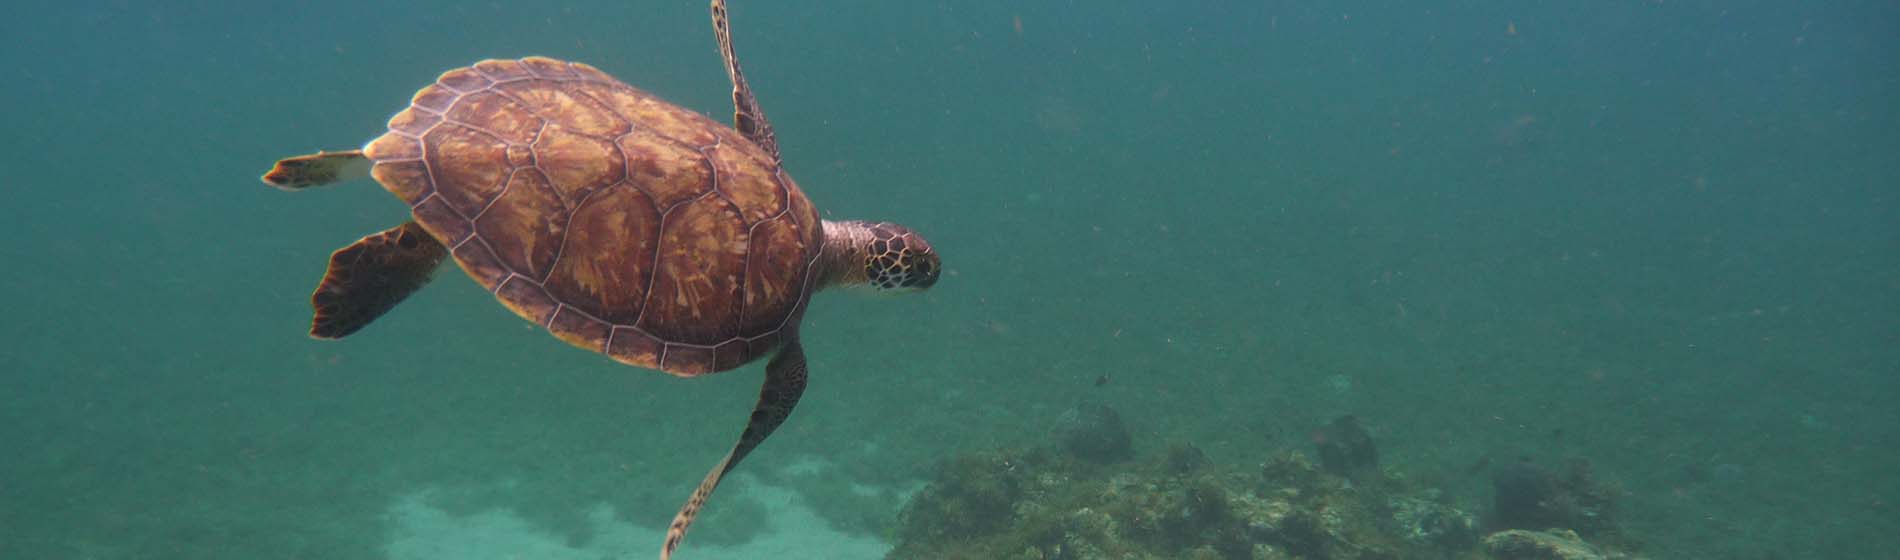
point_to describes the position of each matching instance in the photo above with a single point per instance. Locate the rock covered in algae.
(1094, 432)
(1081, 498)
(973, 496)
(1527, 495)
(1045, 504)
(1346, 448)
(1554, 544)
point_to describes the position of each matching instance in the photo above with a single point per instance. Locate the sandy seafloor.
(426, 532)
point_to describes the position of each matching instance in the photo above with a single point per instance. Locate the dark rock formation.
(1094, 432)
(1345, 448)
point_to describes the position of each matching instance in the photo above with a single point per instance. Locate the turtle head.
(881, 255)
(899, 259)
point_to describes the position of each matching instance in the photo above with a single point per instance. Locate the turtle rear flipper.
(371, 276)
(321, 168)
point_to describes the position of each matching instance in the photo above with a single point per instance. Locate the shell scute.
(464, 80)
(578, 164)
(526, 225)
(527, 299)
(731, 354)
(744, 180)
(412, 123)
(442, 222)
(502, 71)
(547, 68)
(408, 180)
(586, 72)
(775, 271)
(578, 112)
(696, 286)
(804, 212)
(630, 346)
(394, 147)
(687, 360)
(467, 166)
(480, 264)
(649, 112)
(608, 261)
(496, 115)
(670, 173)
(758, 346)
(434, 98)
(580, 330)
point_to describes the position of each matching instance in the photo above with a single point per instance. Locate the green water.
(1661, 236)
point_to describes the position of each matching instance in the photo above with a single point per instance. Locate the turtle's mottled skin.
(621, 223)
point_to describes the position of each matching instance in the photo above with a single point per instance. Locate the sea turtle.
(621, 223)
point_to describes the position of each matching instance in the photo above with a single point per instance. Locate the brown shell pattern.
(620, 222)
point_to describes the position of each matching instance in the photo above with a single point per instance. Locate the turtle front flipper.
(784, 382)
(747, 117)
(321, 168)
(371, 276)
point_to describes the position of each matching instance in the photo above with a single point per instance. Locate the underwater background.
(1661, 237)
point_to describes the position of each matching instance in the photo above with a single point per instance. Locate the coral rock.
(1346, 449)
(1094, 432)
(1555, 544)
(1529, 496)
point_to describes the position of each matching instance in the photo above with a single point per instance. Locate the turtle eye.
(922, 268)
